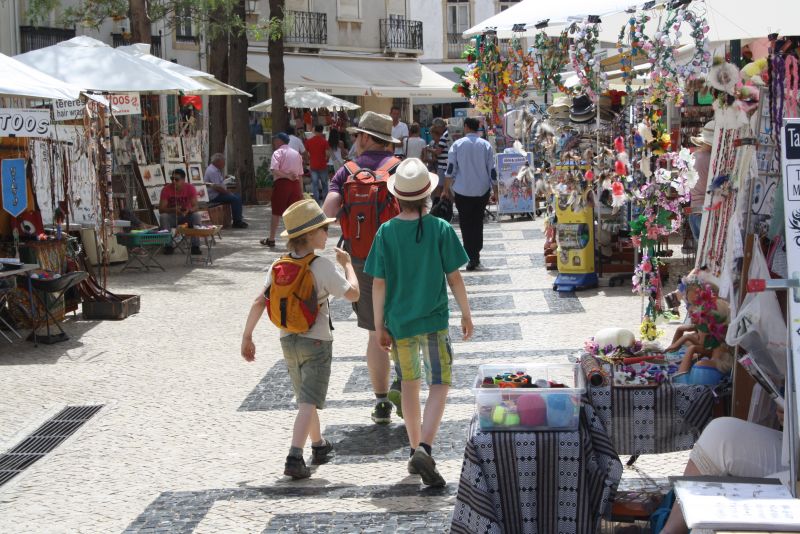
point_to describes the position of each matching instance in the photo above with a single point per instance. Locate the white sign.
(24, 122)
(127, 104)
(67, 110)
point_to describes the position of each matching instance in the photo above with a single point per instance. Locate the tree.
(140, 21)
(242, 153)
(277, 87)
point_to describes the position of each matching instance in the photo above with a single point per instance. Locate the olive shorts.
(309, 364)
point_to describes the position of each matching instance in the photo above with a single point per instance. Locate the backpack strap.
(351, 167)
(389, 165)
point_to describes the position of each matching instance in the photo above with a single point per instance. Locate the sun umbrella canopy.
(304, 97)
(18, 79)
(94, 66)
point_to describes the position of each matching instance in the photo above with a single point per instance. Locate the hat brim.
(582, 117)
(387, 138)
(434, 181)
(698, 141)
(305, 230)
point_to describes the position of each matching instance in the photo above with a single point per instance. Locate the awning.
(382, 77)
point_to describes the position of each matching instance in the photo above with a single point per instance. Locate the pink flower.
(647, 267)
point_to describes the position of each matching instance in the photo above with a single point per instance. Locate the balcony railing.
(306, 27)
(401, 34)
(33, 38)
(119, 39)
(455, 45)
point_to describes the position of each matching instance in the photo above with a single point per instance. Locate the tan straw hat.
(411, 180)
(706, 137)
(302, 217)
(375, 124)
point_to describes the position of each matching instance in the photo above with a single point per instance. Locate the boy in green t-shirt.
(411, 258)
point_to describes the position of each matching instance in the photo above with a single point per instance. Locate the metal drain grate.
(44, 439)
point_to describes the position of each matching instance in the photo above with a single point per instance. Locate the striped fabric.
(529, 482)
(648, 420)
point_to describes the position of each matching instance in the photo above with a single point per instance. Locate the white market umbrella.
(305, 97)
(19, 80)
(94, 66)
(212, 86)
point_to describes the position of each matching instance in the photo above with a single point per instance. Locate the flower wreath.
(708, 319)
(585, 41)
(550, 58)
(640, 45)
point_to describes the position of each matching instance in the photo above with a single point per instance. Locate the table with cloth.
(539, 481)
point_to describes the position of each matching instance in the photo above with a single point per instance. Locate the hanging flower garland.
(487, 77)
(522, 65)
(639, 47)
(582, 50)
(708, 320)
(549, 59)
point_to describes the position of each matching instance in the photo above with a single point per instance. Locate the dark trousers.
(470, 219)
(234, 201)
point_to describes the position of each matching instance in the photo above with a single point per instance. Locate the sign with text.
(515, 188)
(67, 110)
(14, 186)
(127, 104)
(24, 122)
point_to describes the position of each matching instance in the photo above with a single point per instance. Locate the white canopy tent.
(94, 66)
(213, 87)
(306, 97)
(19, 80)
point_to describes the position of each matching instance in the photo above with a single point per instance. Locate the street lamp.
(251, 6)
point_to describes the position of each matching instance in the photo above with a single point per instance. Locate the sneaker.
(472, 265)
(395, 397)
(240, 224)
(411, 469)
(168, 250)
(426, 467)
(296, 468)
(382, 413)
(320, 455)
(196, 251)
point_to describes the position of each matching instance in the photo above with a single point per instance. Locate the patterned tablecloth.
(647, 420)
(531, 482)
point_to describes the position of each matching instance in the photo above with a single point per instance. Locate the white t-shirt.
(297, 144)
(413, 147)
(399, 132)
(328, 282)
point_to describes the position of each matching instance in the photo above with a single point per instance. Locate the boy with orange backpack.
(296, 301)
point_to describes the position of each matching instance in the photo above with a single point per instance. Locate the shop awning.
(18, 79)
(383, 77)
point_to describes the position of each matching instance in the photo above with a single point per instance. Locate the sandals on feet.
(268, 242)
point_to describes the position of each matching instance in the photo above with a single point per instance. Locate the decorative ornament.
(550, 57)
(582, 55)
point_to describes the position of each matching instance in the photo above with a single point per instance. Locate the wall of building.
(431, 13)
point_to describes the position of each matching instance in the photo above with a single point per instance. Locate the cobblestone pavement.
(192, 439)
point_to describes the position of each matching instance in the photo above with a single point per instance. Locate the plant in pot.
(263, 183)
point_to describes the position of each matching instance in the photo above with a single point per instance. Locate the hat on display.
(411, 180)
(706, 137)
(560, 106)
(375, 124)
(582, 109)
(723, 77)
(302, 217)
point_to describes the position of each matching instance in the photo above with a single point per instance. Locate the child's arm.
(256, 309)
(378, 301)
(456, 284)
(343, 258)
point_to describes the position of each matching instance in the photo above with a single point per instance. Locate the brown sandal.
(268, 243)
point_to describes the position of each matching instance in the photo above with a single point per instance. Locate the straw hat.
(375, 124)
(559, 106)
(302, 217)
(706, 136)
(411, 180)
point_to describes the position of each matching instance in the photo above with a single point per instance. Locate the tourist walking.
(287, 173)
(412, 257)
(319, 152)
(399, 131)
(309, 351)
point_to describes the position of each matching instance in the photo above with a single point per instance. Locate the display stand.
(575, 238)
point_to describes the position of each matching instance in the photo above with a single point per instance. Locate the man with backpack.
(358, 196)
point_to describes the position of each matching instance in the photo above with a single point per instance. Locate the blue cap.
(282, 136)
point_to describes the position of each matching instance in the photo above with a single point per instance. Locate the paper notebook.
(740, 503)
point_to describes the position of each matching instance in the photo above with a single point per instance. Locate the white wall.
(432, 16)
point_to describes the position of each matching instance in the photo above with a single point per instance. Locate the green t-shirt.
(415, 273)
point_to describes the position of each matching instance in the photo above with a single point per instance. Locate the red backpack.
(366, 204)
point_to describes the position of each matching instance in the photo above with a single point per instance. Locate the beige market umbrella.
(305, 97)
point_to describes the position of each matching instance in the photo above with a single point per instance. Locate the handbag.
(443, 208)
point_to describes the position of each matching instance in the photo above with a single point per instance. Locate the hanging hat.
(375, 124)
(411, 180)
(302, 217)
(706, 136)
(723, 77)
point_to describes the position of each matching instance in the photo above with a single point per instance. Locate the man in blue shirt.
(470, 176)
(218, 193)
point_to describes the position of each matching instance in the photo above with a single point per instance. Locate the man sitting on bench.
(178, 205)
(218, 193)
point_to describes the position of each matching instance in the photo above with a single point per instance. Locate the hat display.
(375, 124)
(706, 136)
(302, 217)
(724, 77)
(411, 180)
(560, 106)
(582, 109)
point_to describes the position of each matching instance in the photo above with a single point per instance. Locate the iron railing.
(34, 38)
(455, 45)
(401, 34)
(119, 39)
(305, 27)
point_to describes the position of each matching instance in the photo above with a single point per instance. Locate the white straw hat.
(706, 137)
(411, 180)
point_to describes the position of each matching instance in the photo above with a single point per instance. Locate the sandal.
(268, 243)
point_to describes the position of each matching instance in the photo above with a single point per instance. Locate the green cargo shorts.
(309, 364)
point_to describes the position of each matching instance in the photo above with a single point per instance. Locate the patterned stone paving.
(192, 439)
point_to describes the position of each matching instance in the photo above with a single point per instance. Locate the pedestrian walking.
(470, 176)
(287, 172)
(307, 348)
(414, 144)
(373, 137)
(319, 152)
(412, 259)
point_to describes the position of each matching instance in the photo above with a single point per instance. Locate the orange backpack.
(291, 296)
(366, 204)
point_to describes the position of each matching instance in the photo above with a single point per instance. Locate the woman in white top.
(413, 144)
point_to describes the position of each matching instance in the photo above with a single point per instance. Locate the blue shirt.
(213, 176)
(470, 163)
